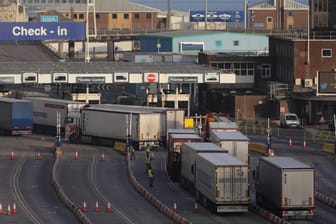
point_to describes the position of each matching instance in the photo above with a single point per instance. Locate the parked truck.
(285, 187)
(16, 116)
(222, 182)
(170, 118)
(45, 113)
(188, 161)
(105, 124)
(234, 141)
(174, 153)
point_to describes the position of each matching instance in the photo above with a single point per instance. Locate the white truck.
(289, 120)
(188, 161)
(233, 141)
(285, 186)
(170, 118)
(105, 124)
(222, 182)
(45, 113)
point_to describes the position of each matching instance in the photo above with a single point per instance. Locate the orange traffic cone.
(14, 208)
(196, 208)
(290, 142)
(304, 144)
(97, 207)
(76, 155)
(1, 211)
(84, 209)
(102, 157)
(12, 155)
(108, 208)
(8, 210)
(174, 207)
(38, 156)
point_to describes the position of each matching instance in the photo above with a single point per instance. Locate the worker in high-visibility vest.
(132, 151)
(148, 150)
(148, 163)
(150, 177)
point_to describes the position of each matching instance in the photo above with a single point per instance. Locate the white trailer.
(45, 113)
(226, 125)
(170, 118)
(180, 131)
(286, 187)
(188, 160)
(99, 123)
(235, 142)
(222, 182)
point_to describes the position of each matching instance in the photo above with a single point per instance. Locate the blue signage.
(217, 16)
(42, 31)
(49, 18)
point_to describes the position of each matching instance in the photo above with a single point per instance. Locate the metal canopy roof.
(101, 67)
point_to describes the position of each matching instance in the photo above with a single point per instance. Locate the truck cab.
(289, 120)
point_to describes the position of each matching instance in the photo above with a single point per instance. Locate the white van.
(289, 120)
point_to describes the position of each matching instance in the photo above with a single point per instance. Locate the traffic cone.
(76, 155)
(290, 142)
(304, 144)
(38, 156)
(1, 211)
(12, 155)
(8, 210)
(14, 208)
(196, 208)
(97, 207)
(174, 207)
(84, 209)
(102, 157)
(108, 208)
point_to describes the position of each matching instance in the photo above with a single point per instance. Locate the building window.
(265, 71)
(243, 69)
(97, 16)
(218, 43)
(114, 16)
(136, 16)
(148, 15)
(75, 16)
(290, 13)
(269, 20)
(81, 16)
(126, 16)
(326, 53)
(236, 43)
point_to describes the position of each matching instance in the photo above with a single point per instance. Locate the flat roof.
(222, 159)
(283, 162)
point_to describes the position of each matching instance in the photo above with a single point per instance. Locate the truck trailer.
(170, 118)
(16, 116)
(285, 187)
(100, 124)
(45, 113)
(188, 161)
(234, 141)
(174, 153)
(222, 182)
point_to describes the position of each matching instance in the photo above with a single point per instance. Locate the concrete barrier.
(328, 147)
(257, 147)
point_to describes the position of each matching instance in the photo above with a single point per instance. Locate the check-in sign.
(90, 80)
(42, 31)
(6, 80)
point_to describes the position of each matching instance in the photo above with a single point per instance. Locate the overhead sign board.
(60, 77)
(91, 80)
(326, 83)
(42, 31)
(176, 79)
(217, 16)
(151, 77)
(6, 80)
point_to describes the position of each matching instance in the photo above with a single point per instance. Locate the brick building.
(278, 14)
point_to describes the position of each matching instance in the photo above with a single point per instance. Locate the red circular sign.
(151, 77)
